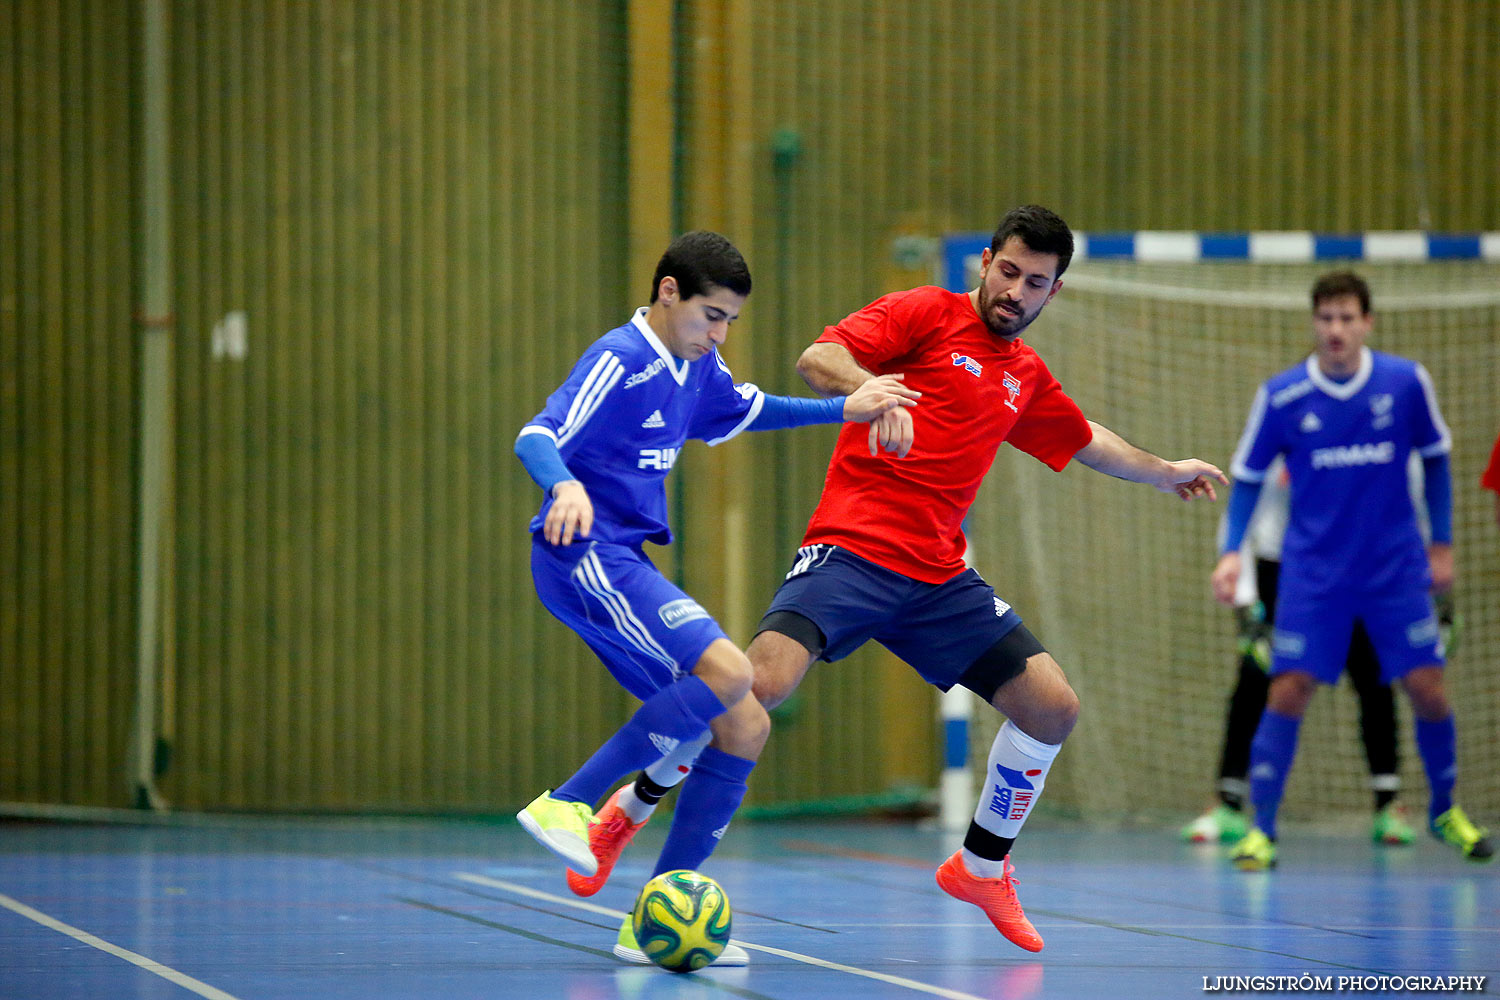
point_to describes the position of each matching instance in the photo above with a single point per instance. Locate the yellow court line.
(171, 975)
(911, 984)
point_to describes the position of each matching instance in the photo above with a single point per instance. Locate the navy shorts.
(646, 630)
(941, 629)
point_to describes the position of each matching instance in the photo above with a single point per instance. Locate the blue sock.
(706, 804)
(675, 714)
(1271, 755)
(1435, 742)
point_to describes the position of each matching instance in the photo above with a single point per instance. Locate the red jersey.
(1491, 478)
(978, 390)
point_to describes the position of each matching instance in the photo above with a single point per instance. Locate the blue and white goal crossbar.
(1160, 246)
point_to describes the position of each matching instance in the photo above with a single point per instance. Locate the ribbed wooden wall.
(420, 210)
(415, 207)
(67, 397)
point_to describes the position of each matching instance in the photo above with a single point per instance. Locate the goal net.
(1114, 578)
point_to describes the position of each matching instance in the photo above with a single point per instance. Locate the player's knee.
(1428, 694)
(744, 729)
(726, 671)
(1066, 713)
(1056, 719)
(1290, 693)
(778, 663)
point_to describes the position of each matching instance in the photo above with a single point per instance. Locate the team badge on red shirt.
(1012, 386)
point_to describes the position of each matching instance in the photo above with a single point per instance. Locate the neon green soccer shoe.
(1220, 824)
(562, 828)
(1390, 827)
(1255, 853)
(627, 950)
(1473, 842)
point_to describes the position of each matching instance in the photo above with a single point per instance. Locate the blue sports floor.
(262, 908)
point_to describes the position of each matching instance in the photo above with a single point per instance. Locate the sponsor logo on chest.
(647, 373)
(968, 364)
(1351, 455)
(1011, 384)
(657, 458)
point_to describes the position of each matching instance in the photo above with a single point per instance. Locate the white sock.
(1014, 777)
(667, 772)
(983, 867)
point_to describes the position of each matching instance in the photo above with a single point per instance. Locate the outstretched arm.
(830, 370)
(1114, 456)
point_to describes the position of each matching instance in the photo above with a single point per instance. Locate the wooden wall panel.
(67, 395)
(421, 210)
(417, 235)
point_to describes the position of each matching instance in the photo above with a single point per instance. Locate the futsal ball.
(681, 920)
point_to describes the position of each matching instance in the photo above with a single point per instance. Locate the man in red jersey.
(883, 554)
(1491, 478)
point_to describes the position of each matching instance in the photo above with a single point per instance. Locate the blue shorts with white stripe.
(642, 626)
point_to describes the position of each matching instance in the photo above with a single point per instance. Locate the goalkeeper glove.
(1450, 623)
(1255, 634)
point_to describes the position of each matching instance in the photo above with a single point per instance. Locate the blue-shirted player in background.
(1346, 422)
(601, 449)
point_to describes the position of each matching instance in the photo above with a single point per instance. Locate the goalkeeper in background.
(1346, 421)
(1255, 609)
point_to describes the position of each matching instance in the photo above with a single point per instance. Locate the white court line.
(911, 984)
(169, 974)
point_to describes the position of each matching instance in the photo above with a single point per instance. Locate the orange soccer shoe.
(608, 835)
(995, 896)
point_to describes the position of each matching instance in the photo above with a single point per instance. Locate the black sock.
(1383, 798)
(990, 846)
(647, 790)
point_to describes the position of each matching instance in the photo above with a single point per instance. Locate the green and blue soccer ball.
(681, 920)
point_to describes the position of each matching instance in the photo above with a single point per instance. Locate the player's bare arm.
(830, 370)
(1440, 561)
(1114, 456)
(1225, 576)
(572, 513)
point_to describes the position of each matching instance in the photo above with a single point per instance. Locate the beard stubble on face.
(1001, 322)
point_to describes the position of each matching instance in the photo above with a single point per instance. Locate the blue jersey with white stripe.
(1352, 525)
(622, 417)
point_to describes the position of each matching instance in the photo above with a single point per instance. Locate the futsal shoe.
(995, 896)
(562, 828)
(1255, 852)
(1473, 842)
(1220, 823)
(608, 835)
(1390, 827)
(626, 950)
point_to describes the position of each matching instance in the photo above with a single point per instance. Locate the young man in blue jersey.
(600, 450)
(1346, 422)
